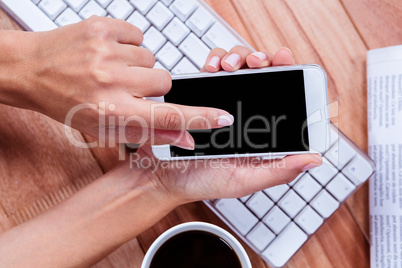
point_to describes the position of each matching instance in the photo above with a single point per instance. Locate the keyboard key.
(169, 55)
(291, 203)
(200, 21)
(183, 8)
(92, 8)
(237, 214)
(285, 245)
(307, 187)
(176, 31)
(166, 2)
(218, 36)
(245, 198)
(52, 8)
(324, 173)
(153, 40)
(195, 50)
(185, 67)
(309, 220)
(259, 203)
(324, 204)
(67, 17)
(340, 187)
(160, 16)
(33, 17)
(276, 192)
(158, 65)
(340, 153)
(260, 236)
(104, 3)
(139, 21)
(358, 170)
(333, 136)
(120, 9)
(297, 179)
(76, 5)
(276, 219)
(143, 5)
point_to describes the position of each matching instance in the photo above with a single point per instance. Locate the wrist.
(126, 201)
(16, 68)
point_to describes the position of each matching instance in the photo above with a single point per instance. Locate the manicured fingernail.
(225, 120)
(261, 56)
(214, 62)
(310, 166)
(233, 60)
(290, 52)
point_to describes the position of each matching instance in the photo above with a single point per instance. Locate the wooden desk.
(39, 167)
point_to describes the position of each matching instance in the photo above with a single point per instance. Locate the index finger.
(283, 57)
(160, 115)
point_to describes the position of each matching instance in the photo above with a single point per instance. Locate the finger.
(120, 30)
(283, 57)
(258, 60)
(126, 33)
(143, 82)
(213, 62)
(179, 117)
(135, 56)
(138, 135)
(181, 139)
(235, 59)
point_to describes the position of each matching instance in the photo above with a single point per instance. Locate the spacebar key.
(237, 214)
(29, 14)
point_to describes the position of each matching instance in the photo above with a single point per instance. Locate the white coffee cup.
(197, 226)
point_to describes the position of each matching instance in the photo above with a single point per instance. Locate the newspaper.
(384, 85)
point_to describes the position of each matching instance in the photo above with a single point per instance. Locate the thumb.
(270, 173)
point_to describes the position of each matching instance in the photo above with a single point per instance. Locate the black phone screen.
(269, 112)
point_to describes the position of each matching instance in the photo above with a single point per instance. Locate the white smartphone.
(277, 111)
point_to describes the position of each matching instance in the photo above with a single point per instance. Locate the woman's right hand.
(94, 76)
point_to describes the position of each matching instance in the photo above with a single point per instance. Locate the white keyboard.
(275, 222)
(180, 33)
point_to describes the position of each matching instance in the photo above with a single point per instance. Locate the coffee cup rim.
(197, 226)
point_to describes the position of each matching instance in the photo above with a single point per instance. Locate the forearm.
(83, 229)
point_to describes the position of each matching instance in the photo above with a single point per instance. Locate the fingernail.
(233, 60)
(186, 142)
(214, 62)
(261, 56)
(310, 166)
(290, 52)
(185, 147)
(225, 120)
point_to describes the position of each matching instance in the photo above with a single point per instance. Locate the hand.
(97, 68)
(188, 181)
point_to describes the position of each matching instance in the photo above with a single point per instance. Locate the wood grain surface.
(39, 167)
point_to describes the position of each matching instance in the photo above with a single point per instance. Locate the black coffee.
(195, 249)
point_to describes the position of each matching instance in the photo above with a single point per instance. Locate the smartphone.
(277, 111)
